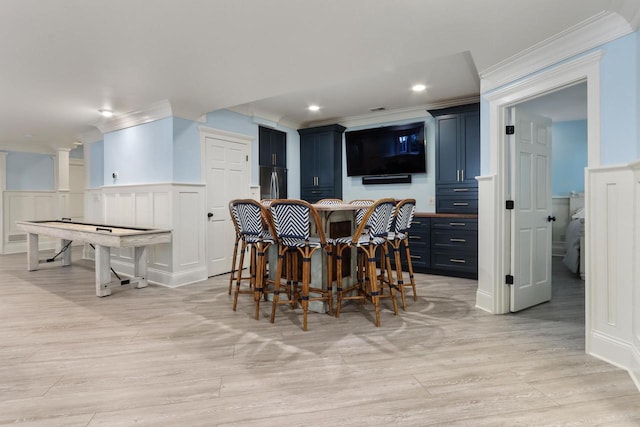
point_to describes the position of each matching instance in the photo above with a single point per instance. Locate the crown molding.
(153, 112)
(395, 115)
(21, 147)
(591, 33)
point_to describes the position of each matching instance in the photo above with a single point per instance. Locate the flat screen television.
(389, 150)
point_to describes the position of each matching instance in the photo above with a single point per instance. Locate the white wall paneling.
(486, 244)
(178, 207)
(30, 206)
(634, 369)
(611, 231)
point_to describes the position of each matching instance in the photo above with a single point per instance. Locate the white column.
(63, 169)
(62, 175)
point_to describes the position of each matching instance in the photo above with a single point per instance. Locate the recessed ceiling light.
(106, 113)
(418, 88)
(314, 107)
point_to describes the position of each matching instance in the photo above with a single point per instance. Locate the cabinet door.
(307, 161)
(470, 148)
(447, 149)
(324, 149)
(272, 147)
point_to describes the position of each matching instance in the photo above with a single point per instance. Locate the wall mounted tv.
(389, 150)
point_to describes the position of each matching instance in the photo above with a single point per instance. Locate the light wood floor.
(182, 357)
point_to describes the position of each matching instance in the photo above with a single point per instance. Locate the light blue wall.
(249, 126)
(619, 83)
(77, 153)
(186, 151)
(422, 187)
(619, 104)
(568, 157)
(29, 171)
(140, 154)
(96, 164)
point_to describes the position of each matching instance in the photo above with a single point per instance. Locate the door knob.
(209, 215)
(551, 218)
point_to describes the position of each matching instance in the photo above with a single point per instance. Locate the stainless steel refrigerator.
(273, 182)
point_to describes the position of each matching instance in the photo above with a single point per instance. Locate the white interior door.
(227, 166)
(531, 222)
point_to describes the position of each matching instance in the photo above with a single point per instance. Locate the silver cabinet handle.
(462, 174)
(414, 237)
(460, 204)
(458, 175)
(460, 190)
(458, 240)
(457, 224)
(416, 257)
(457, 261)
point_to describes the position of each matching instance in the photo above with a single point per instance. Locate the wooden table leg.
(33, 255)
(66, 255)
(140, 266)
(103, 270)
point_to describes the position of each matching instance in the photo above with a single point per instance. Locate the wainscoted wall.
(178, 207)
(612, 276)
(612, 260)
(29, 206)
(634, 369)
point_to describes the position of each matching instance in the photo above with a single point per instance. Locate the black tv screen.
(389, 150)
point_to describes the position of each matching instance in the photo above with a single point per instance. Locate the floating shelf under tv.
(386, 179)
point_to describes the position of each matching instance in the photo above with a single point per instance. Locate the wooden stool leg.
(239, 277)
(410, 265)
(392, 286)
(338, 253)
(400, 282)
(234, 258)
(276, 289)
(373, 286)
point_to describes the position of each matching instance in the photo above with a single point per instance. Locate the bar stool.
(370, 235)
(292, 221)
(400, 236)
(252, 230)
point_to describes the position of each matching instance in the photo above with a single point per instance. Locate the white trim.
(580, 69)
(153, 112)
(589, 34)
(205, 132)
(420, 111)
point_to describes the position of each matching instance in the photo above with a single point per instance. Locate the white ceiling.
(63, 60)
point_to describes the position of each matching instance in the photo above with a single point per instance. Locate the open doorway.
(567, 110)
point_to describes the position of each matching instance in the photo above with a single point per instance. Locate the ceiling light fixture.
(418, 88)
(314, 107)
(106, 113)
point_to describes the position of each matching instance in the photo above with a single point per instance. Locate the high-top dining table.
(338, 221)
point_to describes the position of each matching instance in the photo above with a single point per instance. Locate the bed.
(574, 236)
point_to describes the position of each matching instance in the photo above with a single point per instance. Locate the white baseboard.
(611, 349)
(484, 301)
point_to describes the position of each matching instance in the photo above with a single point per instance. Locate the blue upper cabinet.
(272, 147)
(457, 158)
(321, 162)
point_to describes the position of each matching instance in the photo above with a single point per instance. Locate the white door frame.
(586, 67)
(207, 132)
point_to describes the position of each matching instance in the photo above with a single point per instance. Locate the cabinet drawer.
(457, 191)
(455, 223)
(453, 204)
(454, 239)
(454, 261)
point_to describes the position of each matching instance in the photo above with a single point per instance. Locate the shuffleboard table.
(102, 238)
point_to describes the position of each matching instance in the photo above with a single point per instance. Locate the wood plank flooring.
(182, 357)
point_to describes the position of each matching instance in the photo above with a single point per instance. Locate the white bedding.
(574, 231)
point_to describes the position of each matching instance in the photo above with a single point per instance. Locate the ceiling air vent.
(374, 109)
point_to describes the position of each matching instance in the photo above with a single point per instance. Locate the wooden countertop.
(444, 215)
